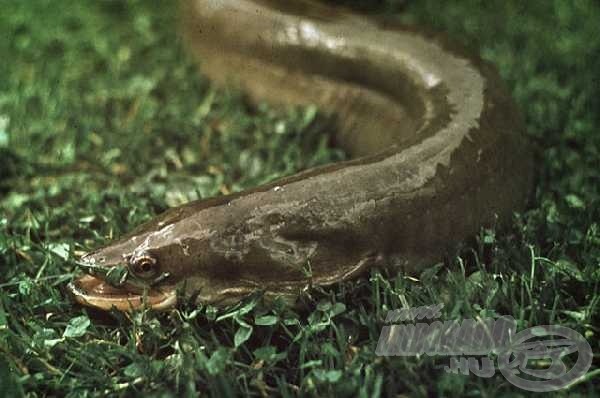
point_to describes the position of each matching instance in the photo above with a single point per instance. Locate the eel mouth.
(94, 292)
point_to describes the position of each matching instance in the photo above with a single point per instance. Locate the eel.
(437, 150)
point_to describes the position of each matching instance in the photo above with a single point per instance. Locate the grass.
(104, 122)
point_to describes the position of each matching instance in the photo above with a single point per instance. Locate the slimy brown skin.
(437, 145)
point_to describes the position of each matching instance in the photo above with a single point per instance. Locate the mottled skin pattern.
(437, 147)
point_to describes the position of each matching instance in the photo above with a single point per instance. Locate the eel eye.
(144, 266)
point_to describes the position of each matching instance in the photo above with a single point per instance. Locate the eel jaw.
(94, 292)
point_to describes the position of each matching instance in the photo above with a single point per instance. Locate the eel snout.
(105, 287)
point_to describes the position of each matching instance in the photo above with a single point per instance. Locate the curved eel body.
(437, 148)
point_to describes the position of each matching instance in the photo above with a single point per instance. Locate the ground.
(105, 122)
